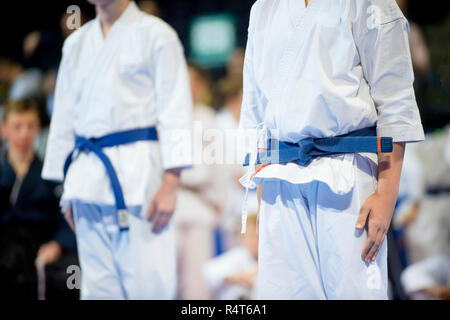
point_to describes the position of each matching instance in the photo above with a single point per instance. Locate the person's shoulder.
(156, 29)
(76, 37)
(261, 8)
(384, 11)
(260, 5)
(371, 15)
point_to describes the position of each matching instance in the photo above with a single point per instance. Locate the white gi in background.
(234, 170)
(195, 216)
(321, 71)
(425, 181)
(232, 192)
(433, 271)
(136, 77)
(236, 260)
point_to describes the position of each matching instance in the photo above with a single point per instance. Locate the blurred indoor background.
(215, 262)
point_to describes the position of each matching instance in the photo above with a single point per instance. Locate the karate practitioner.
(123, 81)
(323, 79)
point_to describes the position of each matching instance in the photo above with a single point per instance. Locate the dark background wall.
(17, 18)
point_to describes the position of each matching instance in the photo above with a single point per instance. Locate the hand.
(164, 202)
(411, 216)
(376, 213)
(68, 215)
(50, 252)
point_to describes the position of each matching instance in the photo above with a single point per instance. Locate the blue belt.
(303, 152)
(95, 145)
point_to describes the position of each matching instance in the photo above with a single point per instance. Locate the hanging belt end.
(385, 145)
(244, 222)
(123, 219)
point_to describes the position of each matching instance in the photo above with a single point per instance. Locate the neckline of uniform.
(296, 17)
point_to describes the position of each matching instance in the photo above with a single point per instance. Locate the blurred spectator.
(424, 213)
(198, 200)
(30, 222)
(28, 84)
(21, 83)
(428, 279)
(232, 275)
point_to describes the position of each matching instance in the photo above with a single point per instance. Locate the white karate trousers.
(308, 245)
(134, 264)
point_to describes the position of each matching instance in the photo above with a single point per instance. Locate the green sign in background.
(212, 38)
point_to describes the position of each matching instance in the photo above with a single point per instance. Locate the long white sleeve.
(386, 61)
(61, 136)
(252, 112)
(174, 105)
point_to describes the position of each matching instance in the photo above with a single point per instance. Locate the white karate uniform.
(215, 271)
(427, 234)
(136, 77)
(233, 170)
(325, 70)
(433, 271)
(232, 192)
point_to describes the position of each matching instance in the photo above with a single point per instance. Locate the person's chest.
(291, 39)
(117, 65)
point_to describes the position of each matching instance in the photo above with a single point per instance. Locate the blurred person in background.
(429, 279)
(40, 50)
(420, 54)
(119, 139)
(10, 70)
(198, 200)
(30, 78)
(424, 214)
(232, 275)
(31, 224)
(423, 201)
(229, 91)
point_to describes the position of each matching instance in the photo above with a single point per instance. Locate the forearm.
(171, 178)
(376, 212)
(164, 202)
(389, 171)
